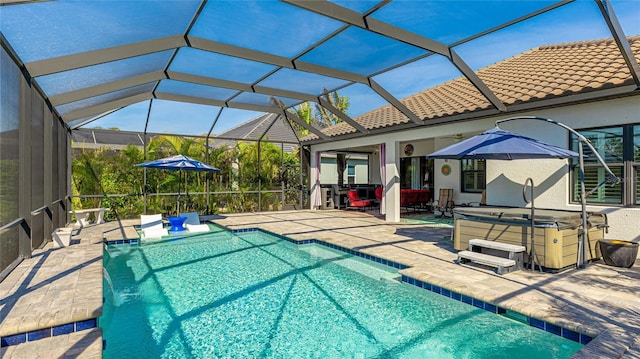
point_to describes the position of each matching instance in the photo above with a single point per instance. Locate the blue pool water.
(254, 295)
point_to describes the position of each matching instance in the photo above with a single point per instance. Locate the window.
(351, 173)
(416, 173)
(473, 175)
(619, 147)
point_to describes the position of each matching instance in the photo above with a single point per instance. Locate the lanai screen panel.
(182, 88)
(450, 22)
(263, 100)
(219, 66)
(77, 79)
(93, 57)
(425, 73)
(362, 52)
(102, 99)
(579, 21)
(128, 118)
(231, 118)
(117, 138)
(302, 81)
(181, 118)
(49, 29)
(264, 26)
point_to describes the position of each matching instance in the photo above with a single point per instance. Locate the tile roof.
(97, 138)
(251, 130)
(543, 73)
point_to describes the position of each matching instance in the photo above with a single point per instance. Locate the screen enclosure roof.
(203, 67)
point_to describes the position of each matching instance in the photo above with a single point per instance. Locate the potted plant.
(618, 253)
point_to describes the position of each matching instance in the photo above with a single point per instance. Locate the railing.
(20, 236)
(9, 225)
(132, 205)
(8, 261)
(40, 232)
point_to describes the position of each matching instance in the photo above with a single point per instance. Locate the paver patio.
(65, 285)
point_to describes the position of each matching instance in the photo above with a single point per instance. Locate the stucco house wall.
(329, 169)
(506, 178)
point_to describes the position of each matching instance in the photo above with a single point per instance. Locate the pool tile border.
(122, 241)
(20, 338)
(350, 251)
(534, 322)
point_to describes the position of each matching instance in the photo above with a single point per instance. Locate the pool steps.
(534, 322)
(510, 258)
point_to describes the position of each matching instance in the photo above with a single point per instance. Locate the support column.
(392, 182)
(66, 136)
(24, 170)
(314, 182)
(48, 172)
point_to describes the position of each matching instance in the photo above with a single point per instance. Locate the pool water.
(254, 295)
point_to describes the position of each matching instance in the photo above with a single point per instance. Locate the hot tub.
(556, 232)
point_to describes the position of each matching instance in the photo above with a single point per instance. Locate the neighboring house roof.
(249, 131)
(253, 129)
(98, 138)
(543, 73)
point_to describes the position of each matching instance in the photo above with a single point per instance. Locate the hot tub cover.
(561, 219)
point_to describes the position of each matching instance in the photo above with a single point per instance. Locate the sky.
(354, 50)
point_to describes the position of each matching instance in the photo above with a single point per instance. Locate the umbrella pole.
(584, 235)
(144, 189)
(178, 198)
(533, 223)
(583, 238)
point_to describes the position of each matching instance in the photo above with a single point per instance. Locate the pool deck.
(60, 286)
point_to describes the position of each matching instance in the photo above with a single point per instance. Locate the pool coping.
(50, 297)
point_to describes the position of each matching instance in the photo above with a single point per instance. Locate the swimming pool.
(253, 295)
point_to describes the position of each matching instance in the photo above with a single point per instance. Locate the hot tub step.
(503, 265)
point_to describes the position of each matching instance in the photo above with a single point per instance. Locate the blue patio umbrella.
(498, 144)
(179, 163)
(504, 145)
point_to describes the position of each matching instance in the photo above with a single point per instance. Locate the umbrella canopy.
(498, 144)
(179, 162)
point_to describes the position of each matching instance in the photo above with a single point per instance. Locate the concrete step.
(503, 265)
(496, 245)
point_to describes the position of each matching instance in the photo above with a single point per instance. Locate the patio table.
(176, 223)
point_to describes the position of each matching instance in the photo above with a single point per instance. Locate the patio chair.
(192, 224)
(151, 226)
(378, 194)
(483, 200)
(444, 203)
(356, 202)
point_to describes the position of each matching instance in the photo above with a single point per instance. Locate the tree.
(119, 184)
(317, 116)
(328, 118)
